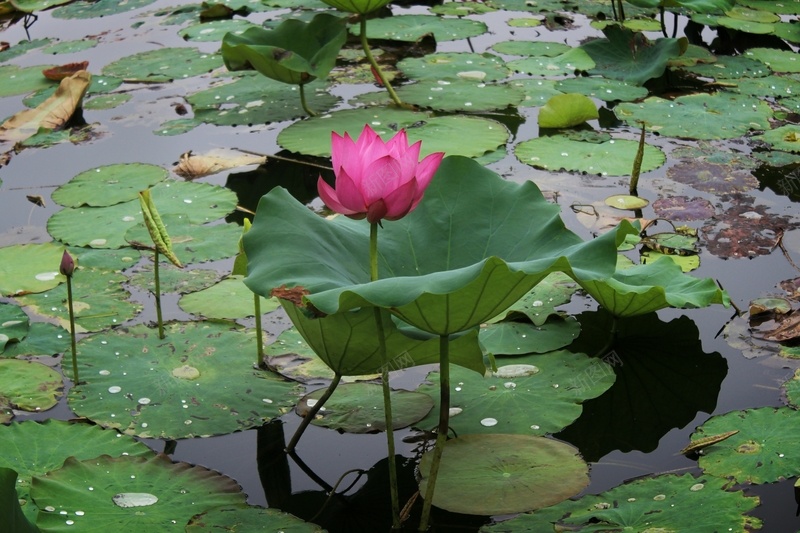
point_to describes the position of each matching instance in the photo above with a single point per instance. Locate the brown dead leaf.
(36, 199)
(786, 328)
(193, 166)
(51, 114)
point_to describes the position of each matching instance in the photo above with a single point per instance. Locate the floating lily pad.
(109, 101)
(108, 185)
(762, 451)
(454, 135)
(693, 55)
(414, 27)
(192, 243)
(531, 48)
(731, 67)
(214, 30)
(661, 503)
(525, 22)
(99, 8)
(462, 8)
(504, 474)
(27, 268)
(540, 302)
(29, 385)
(99, 301)
(455, 66)
(775, 86)
(42, 338)
(566, 111)
(119, 259)
(105, 492)
(27, 449)
(10, 504)
(781, 8)
(626, 201)
(517, 338)
(17, 80)
(529, 395)
(14, 325)
(537, 92)
(174, 279)
(163, 65)
(358, 408)
(737, 24)
(199, 381)
(228, 299)
(614, 158)
(602, 89)
(792, 389)
(251, 519)
(683, 208)
(22, 47)
(459, 95)
(255, 99)
(786, 138)
(70, 47)
(569, 62)
(698, 116)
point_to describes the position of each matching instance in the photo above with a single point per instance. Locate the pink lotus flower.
(377, 180)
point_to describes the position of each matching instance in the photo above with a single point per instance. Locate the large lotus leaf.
(129, 494)
(610, 158)
(457, 95)
(105, 227)
(192, 243)
(698, 6)
(99, 300)
(118, 259)
(42, 338)
(504, 474)
(251, 519)
(27, 268)
(445, 66)
(199, 381)
(163, 65)
(214, 30)
(699, 116)
(471, 248)
(108, 185)
(530, 395)
(228, 299)
(643, 289)
(454, 135)
(762, 451)
(294, 52)
(537, 91)
(254, 99)
(786, 138)
(781, 8)
(99, 8)
(29, 385)
(173, 279)
(663, 376)
(516, 338)
(629, 56)
(531, 48)
(10, 504)
(567, 63)
(14, 325)
(788, 31)
(28, 449)
(775, 86)
(358, 408)
(414, 27)
(602, 89)
(17, 80)
(661, 503)
(346, 343)
(541, 301)
(731, 67)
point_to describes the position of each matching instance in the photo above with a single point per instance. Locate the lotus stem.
(259, 339)
(444, 425)
(76, 380)
(303, 102)
(637, 165)
(371, 59)
(312, 413)
(158, 296)
(387, 399)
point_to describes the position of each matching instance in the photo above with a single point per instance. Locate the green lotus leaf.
(29, 268)
(29, 385)
(358, 408)
(99, 8)
(13, 517)
(130, 494)
(762, 451)
(471, 248)
(504, 474)
(249, 519)
(731, 67)
(23, 47)
(199, 381)
(566, 111)
(530, 395)
(516, 338)
(531, 48)
(17, 80)
(192, 243)
(31, 6)
(28, 449)
(14, 325)
(569, 62)
(788, 31)
(162, 65)
(460, 95)
(462, 8)
(646, 288)
(698, 6)
(661, 503)
(780, 8)
(215, 30)
(42, 338)
(602, 89)
(346, 343)
(361, 7)
(294, 52)
(629, 56)
(229, 299)
(786, 138)
(541, 301)
(444, 66)
(412, 28)
(108, 185)
(537, 91)
(70, 47)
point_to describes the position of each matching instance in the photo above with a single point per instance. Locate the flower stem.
(444, 425)
(304, 103)
(158, 297)
(371, 59)
(259, 340)
(76, 380)
(312, 413)
(387, 400)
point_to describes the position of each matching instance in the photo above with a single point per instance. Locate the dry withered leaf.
(36, 199)
(192, 166)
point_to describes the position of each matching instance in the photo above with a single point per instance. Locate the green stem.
(76, 380)
(371, 59)
(387, 399)
(259, 340)
(444, 425)
(304, 103)
(158, 297)
(312, 413)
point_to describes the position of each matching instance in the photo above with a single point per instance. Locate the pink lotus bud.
(377, 180)
(67, 266)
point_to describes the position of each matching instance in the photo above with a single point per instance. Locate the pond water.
(647, 445)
